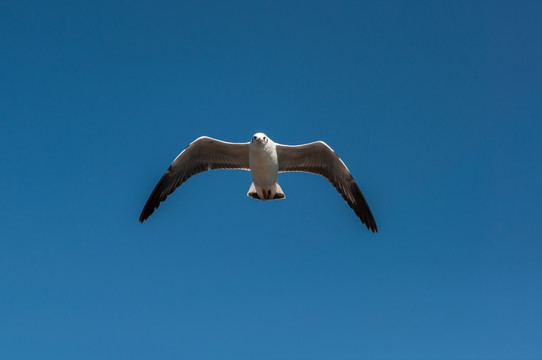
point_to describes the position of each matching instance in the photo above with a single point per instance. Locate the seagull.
(264, 159)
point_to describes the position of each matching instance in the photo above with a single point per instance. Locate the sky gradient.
(435, 107)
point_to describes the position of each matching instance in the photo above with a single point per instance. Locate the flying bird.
(264, 159)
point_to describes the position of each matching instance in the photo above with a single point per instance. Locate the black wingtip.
(151, 205)
(142, 218)
(370, 221)
(147, 211)
(153, 202)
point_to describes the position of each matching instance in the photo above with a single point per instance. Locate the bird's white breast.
(263, 163)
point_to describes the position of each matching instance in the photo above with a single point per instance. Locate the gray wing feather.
(202, 154)
(319, 158)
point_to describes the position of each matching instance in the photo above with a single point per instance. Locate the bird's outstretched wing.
(319, 158)
(202, 154)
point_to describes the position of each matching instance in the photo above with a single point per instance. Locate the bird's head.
(260, 138)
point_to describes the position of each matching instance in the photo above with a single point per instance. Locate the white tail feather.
(253, 193)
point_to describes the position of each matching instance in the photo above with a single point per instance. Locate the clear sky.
(434, 106)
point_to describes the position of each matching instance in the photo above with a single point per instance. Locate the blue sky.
(434, 106)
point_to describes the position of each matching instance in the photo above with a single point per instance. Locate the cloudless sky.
(435, 107)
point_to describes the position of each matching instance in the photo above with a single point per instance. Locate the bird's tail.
(279, 194)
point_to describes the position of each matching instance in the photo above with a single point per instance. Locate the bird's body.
(264, 166)
(264, 159)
